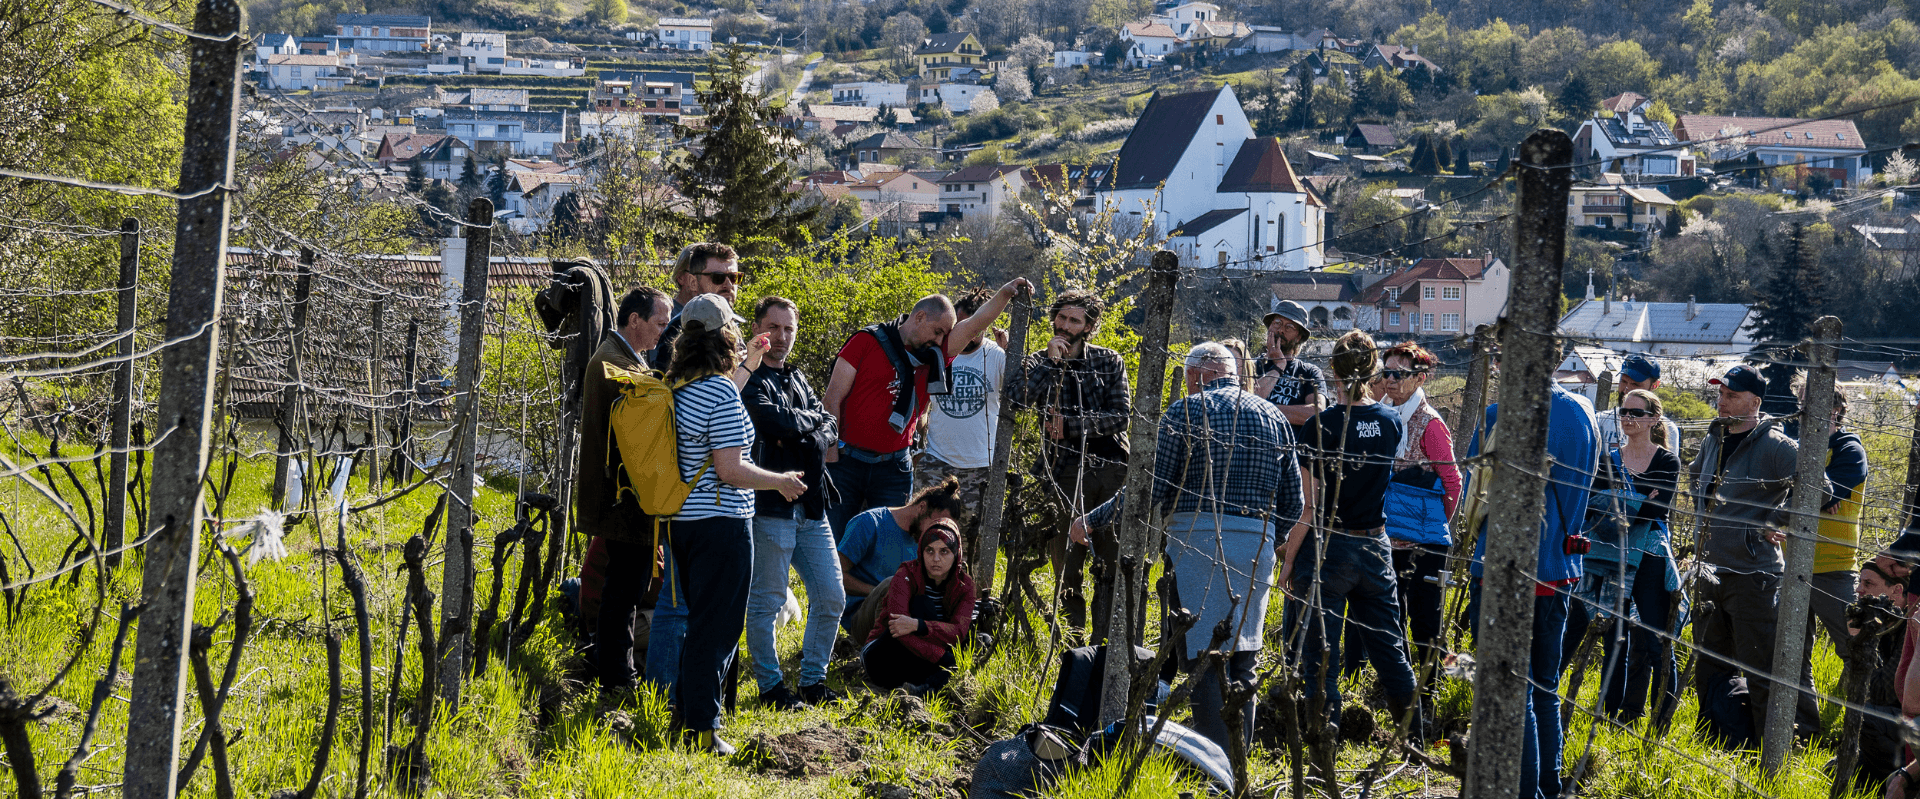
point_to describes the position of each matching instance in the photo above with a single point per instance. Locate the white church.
(1219, 194)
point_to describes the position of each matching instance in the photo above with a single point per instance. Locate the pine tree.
(497, 185)
(469, 176)
(1576, 99)
(1442, 153)
(1425, 160)
(736, 178)
(1365, 96)
(1506, 162)
(416, 177)
(1300, 116)
(1462, 165)
(1791, 295)
(1672, 228)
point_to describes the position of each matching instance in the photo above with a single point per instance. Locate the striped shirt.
(708, 415)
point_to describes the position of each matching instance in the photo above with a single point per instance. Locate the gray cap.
(710, 310)
(1290, 311)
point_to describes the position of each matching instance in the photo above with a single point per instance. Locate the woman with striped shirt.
(711, 542)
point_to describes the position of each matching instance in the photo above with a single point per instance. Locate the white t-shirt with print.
(708, 415)
(960, 425)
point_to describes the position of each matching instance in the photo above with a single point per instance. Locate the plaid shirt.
(1246, 442)
(1091, 394)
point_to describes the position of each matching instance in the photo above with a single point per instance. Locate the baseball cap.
(711, 311)
(1742, 378)
(1289, 310)
(1640, 368)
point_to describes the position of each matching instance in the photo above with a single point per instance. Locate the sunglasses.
(1637, 413)
(1401, 374)
(721, 278)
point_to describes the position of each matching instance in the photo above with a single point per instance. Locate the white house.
(377, 33)
(483, 52)
(871, 94)
(958, 97)
(1829, 146)
(291, 73)
(274, 44)
(1631, 144)
(1149, 42)
(978, 192)
(1222, 195)
(682, 33)
(532, 195)
(514, 132)
(1678, 329)
(550, 67)
(1184, 18)
(1063, 59)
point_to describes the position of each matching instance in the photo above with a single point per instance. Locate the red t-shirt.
(869, 403)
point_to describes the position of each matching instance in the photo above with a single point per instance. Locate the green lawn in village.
(533, 730)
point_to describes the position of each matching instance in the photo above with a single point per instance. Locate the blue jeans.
(1540, 759)
(668, 631)
(807, 545)
(1357, 582)
(866, 481)
(1647, 604)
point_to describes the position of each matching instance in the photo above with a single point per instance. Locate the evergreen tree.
(736, 179)
(1300, 115)
(569, 219)
(416, 177)
(1506, 162)
(1461, 164)
(1792, 294)
(1365, 97)
(497, 185)
(469, 176)
(1576, 99)
(1425, 160)
(1672, 227)
(1442, 153)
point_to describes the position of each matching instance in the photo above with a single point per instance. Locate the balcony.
(1603, 209)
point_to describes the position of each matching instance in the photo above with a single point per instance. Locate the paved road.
(806, 79)
(758, 78)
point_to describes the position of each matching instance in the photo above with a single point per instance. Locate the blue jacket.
(1573, 452)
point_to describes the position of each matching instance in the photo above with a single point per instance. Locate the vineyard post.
(114, 532)
(456, 589)
(993, 512)
(290, 415)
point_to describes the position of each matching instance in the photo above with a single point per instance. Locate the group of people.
(1340, 487)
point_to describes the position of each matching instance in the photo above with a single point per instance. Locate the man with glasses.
(705, 268)
(1637, 373)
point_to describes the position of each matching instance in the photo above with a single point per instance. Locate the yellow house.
(942, 54)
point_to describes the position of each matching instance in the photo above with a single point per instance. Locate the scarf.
(1407, 412)
(906, 364)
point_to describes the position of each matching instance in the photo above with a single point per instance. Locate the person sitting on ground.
(911, 644)
(877, 541)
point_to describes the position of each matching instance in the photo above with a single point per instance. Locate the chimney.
(1606, 306)
(1693, 310)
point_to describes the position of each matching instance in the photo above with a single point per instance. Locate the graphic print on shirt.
(1367, 429)
(969, 395)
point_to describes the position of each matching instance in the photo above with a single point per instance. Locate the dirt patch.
(812, 752)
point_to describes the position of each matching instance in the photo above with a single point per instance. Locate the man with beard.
(880, 390)
(1080, 392)
(1287, 380)
(704, 268)
(876, 542)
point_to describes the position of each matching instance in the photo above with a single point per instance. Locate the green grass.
(532, 731)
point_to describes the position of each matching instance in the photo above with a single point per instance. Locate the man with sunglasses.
(1637, 373)
(705, 268)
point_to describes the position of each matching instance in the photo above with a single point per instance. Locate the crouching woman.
(926, 611)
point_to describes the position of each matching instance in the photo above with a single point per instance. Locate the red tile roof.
(1827, 133)
(1261, 166)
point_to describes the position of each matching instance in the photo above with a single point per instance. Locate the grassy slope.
(530, 732)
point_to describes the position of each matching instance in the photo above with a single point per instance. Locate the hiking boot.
(916, 689)
(780, 697)
(708, 741)
(819, 694)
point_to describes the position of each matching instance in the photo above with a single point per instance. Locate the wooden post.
(1473, 399)
(994, 508)
(1131, 569)
(1603, 392)
(183, 417)
(1517, 500)
(114, 530)
(290, 415)
(1910, 498)
(1796, 587)
(409, 392)
(376, 390)
(456, 589)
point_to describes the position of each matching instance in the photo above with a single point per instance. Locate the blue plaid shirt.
(1249, 446)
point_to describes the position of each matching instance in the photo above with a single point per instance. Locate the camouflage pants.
(928, 470)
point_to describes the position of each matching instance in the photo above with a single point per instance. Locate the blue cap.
(1742, 378)
(1640, 368)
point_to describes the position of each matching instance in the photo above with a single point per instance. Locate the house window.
(1393, 293)
(1393, 318)
(1219, 119)
(296, 72)
(1450, 292)
(1426, 321)
(970, 186)
(1449, 321)
(1223, 257)
(1426, 292)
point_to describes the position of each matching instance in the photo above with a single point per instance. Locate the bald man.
(877, 420)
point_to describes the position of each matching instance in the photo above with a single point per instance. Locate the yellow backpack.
(641, 425)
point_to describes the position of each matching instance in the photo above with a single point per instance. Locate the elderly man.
(1224, 466)
(1741, 482)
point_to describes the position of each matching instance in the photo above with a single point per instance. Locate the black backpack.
(1076, 693)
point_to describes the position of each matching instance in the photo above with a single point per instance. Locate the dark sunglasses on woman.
(1636, 413)
(1401, 374)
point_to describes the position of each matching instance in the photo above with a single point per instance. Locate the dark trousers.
(1735, 630)
(890, 664)
(715, 560)
(1421, 604)
(1356, 582)
(1097, 483)
(1647, 609)
(865, 485)
(627, 566)
(1209, 714)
